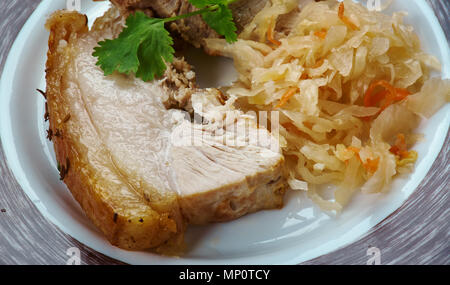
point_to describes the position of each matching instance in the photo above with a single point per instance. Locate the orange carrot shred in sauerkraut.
(400, 148)
(321, 34)
(286, 96)
(390, 95)
(371, 165)
(345, 19)
(270, 30)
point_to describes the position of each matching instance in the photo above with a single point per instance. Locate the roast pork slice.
(217, 182)
(139, 169)
(226, 166)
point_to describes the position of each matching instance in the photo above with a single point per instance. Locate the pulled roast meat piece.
(192, 29)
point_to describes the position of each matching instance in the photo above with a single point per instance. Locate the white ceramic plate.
(298, 232)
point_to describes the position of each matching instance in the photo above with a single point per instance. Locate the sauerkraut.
(350, 85)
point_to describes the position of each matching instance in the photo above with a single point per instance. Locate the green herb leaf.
(142, 47)
(200, 4)
(145, 46)
(221, 20)
(154, 52)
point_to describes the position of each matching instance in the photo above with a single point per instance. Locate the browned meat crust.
(126, 219)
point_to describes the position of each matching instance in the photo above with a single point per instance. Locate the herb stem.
(198, 12)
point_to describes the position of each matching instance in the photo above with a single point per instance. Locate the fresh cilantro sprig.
(144, 45)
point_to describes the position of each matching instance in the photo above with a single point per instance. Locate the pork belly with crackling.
(117, 153)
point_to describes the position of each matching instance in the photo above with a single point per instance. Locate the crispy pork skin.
(132, 213)
(126, 155)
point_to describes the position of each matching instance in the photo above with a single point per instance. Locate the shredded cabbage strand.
(347, 81)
